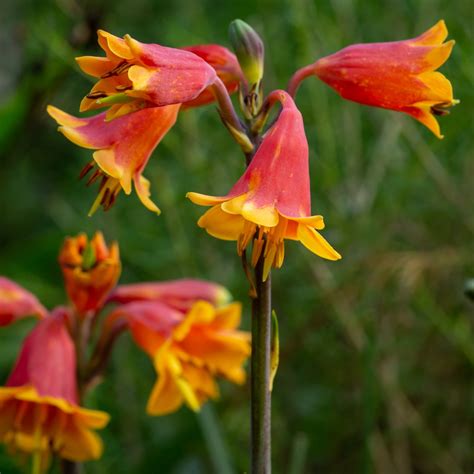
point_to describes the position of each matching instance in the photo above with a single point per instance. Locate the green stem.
(260, 374)
(36, 462)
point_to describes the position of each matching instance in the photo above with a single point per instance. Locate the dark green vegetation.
(377, 354)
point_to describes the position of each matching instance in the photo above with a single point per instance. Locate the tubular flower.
(17, 303)
(178, 294)
(39, 408)
(123, 146)
(397, 75)
(224, 63)
(188, 349)
(271, 202)
(90, 270)
(134, 75)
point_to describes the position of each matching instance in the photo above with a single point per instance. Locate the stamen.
(94, 177)
(123, 88)
(97, 95)
(105, 195)
(103, 182)
(443, 107)
(86, 169)
(257, 251)
(117, 70)
(108, 191)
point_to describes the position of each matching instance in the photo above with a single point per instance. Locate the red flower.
(271, 202)
(134, 75)
(124, 146)
(398, 75)
(39, 408)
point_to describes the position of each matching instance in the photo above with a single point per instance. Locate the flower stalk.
(260, 373)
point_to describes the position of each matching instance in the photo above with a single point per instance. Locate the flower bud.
(90, 270)
(249, 49)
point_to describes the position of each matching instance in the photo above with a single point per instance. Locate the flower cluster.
(143, 87)
(188, 327)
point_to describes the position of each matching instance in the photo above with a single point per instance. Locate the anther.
(117, 70)
(86, 169)
(97, 95)
(94, 177)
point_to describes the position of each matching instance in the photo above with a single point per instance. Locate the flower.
(271, 201)
(123, 146)
(178, 294)
(224, 63)
(398, 75)
(90, 270)
(189, 349)
(134, 75)
(39, 407)
(17, 303)
(144, 86)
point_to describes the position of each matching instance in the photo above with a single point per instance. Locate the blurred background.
(377, 353)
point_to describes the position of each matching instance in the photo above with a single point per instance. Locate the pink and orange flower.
(187, 326)
(143, 86)
(39, 408)
(134, 75)
(398, 75)
(271, 202)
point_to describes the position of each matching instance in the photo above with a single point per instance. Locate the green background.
(377, 354)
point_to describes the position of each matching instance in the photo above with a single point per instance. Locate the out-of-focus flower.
(397, 75)
(271, 202)
(123, 146)
(134, 75)
(188, 349)
(16, 303)
(178, 294)
(90, 270)
(224, 63)
(39, 408)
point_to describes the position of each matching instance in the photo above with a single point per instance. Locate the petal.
(435, 35)
(440, 89)
(166, 397)
(114, 47)
(95, 66)
(142, 187)
(422, 113)
(438, 55)
(204, 199)
(315, 242)
(179, 294)
(222, 225)
(313, 221)
(228, 317)
(265, 216)
(16, 303)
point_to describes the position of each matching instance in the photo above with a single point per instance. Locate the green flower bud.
(249, 50)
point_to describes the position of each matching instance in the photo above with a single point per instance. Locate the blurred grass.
(376, 368)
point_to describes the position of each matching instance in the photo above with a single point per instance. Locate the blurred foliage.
(376, 364)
